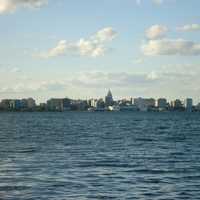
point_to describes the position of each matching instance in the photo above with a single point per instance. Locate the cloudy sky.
(80, 49)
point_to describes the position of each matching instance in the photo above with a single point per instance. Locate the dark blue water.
(79, 156)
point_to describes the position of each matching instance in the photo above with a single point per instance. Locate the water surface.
(81, 155)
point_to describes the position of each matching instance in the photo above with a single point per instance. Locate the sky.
(80, 49)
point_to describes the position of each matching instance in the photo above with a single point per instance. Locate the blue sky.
(79, 49)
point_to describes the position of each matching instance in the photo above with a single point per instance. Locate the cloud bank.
(158, 44)
(171, 47)
(9, 6)
(83, 80)
(156, 83)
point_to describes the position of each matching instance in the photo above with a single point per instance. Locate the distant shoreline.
(106, 111)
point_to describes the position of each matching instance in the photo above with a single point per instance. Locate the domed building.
(109, 99)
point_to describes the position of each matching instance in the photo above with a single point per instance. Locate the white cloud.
(189, 27)
(171, 47)
(156, 31)
(90, 48)
(9, 6)
(106, 34)
(56, 51)
(93, 47)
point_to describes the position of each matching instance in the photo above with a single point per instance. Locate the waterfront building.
(54, 104)
(79, 105)
(31, 104)
(109, 99)
(59, 104)
(15, 104)
(188, 104)
(28, 104)
(144, 104)
(140, 103)
(162, 104)
(5, 104)
(177, 105)
(66, 104)
(24, 104)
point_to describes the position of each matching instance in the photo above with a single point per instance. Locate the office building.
(162, 103)
(54, 104)
(188, 104)
(144, 104)
(15, 104)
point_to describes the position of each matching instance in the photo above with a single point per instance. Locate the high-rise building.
(188, 104)
(162, 103)
(109, 99)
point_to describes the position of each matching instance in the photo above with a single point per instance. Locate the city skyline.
(108, 103)
(133, 47)
(109, 99)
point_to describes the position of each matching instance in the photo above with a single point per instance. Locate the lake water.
(82, 155)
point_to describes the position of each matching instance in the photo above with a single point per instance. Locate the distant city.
(103, 104)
